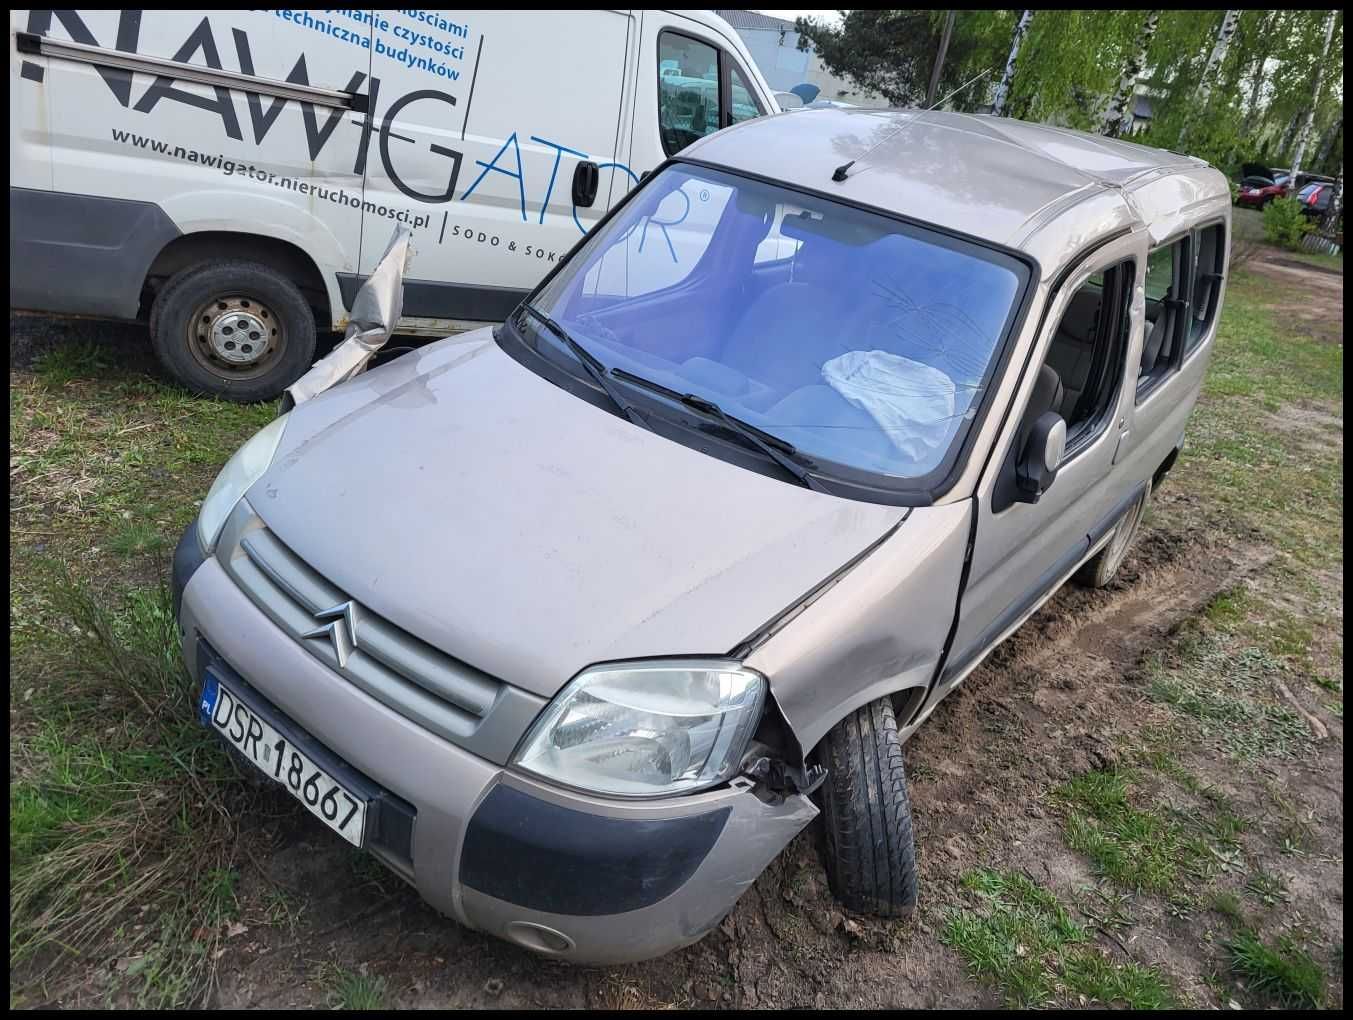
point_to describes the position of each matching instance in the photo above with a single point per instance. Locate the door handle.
(585, 180)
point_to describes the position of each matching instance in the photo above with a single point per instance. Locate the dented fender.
(880, 629)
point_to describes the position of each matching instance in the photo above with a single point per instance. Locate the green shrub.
(1284, 223)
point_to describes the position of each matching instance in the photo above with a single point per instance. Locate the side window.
(688, 90)
(741, 97)
(700, 89)
(1087, 353)
(1207, 277)
(1166, 309)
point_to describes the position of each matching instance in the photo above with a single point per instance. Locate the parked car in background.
(1257, 192)
(1315, 199)
(577, 621)
(231, 177)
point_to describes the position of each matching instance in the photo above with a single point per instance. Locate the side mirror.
(1042, 456)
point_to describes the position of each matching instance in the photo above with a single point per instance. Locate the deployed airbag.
(916, 405)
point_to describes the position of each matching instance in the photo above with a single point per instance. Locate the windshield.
(861, 341)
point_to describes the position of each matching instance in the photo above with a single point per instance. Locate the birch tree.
(1003, 88)
(1219, 48)
(1304, 133)
(1117, 118)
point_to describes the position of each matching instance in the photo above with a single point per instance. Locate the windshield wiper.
(774, 447)
(594, 367)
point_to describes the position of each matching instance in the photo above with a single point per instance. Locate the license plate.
(278, 759)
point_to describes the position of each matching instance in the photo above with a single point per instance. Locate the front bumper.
(583, 878)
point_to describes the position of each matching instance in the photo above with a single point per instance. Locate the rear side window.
(1166, 283)
(1207, 277)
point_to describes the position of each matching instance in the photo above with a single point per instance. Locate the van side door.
(691, 83)
(480, 121)
(1079, 368)
(1185, 277)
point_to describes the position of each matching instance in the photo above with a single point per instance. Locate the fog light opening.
(538, 938)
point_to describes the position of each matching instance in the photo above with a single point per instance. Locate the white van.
(231, 177)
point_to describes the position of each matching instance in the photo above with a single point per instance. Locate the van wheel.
(868, 848)
(233, 329)
(1101, 568)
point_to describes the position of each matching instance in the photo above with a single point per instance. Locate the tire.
(1101, 568)
(242, 306)
(868, 848)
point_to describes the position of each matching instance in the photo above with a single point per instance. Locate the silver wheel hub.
(238, 336)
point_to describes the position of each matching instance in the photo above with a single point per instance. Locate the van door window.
(1207, 277)
(688, 90)
(741, 98)
(1166, 309)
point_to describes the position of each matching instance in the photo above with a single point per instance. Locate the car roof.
(993, 178)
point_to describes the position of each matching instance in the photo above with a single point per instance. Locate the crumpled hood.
(530, 534)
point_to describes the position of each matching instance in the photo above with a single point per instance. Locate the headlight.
(646, 729)
(241, 471)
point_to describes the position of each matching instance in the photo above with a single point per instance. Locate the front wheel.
(233, 329)
(869, 851)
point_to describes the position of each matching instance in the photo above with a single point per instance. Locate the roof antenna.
(839, 174)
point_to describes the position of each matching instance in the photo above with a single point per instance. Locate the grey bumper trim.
(82, 254)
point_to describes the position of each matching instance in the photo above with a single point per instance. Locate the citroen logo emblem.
(341, 629)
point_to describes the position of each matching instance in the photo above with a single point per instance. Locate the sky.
(832, 17)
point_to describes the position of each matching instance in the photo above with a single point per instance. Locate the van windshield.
(863, 342)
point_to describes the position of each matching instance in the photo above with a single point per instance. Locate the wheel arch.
(203, 246)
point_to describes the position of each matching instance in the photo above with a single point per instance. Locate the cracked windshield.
(859, 340)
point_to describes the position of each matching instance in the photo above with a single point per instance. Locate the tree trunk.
(939, 60)
(1327, 139)
(1118, 117)
(1003, 89)
(1219, 48)
(1331, 217)
(1304, 134)
(1264, 35)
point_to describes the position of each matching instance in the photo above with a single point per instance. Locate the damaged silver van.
(575, 622)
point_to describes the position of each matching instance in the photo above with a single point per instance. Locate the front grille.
(439, 692)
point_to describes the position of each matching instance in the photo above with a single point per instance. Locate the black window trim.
(1183, 278)
(1114, 371)
(1215, 311)
(723, 83)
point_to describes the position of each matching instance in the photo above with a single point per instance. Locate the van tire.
(188, 344)
(868, 848)
(1102, 568)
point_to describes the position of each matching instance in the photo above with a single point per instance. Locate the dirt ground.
(1314, 295)
(1075, 690)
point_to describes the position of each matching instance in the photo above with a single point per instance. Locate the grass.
(349, 990)
(1319, 259)
(1139, 849)
(1023, 939)
(1282, 973)
(1227, 690)
(111, 784)
(122, 839)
